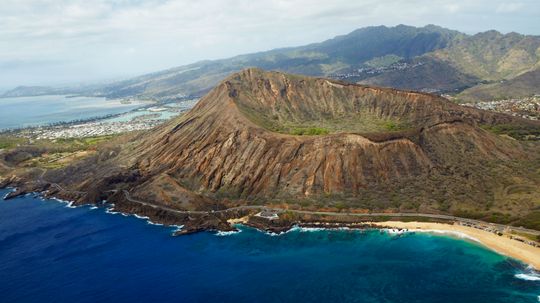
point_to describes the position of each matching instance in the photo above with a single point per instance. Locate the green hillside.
(479, 62)
(425, 74)
(486, 65)
(525, 85)
(492, 55)
(342, 54)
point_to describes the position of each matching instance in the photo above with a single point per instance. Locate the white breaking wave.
(228, 233)
(10, 190)
(395, 231)
(108, 210)
(69, 204)
(111, 211)
(178, 227)
(141, 217)
(273, 234)
(306, 229)
(310, 229)
(529, 275)
(314, 229)
(148, 221)
(446, 232)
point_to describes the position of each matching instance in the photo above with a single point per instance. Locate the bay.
(52, 253)
(41, 110)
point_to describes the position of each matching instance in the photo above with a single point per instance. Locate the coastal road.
(56, 185)
(198, 212)
(500, 227)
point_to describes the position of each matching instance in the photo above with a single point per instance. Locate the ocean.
(41, 110)
(53, 253)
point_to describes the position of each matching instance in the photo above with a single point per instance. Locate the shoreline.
(500, 244)
(67, 123)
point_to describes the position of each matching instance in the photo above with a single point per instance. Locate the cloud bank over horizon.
(60, 42)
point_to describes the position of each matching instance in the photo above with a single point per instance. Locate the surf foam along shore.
(528, 276)
(109, 208)
(10, 190)
(501, 244)
(227, 233)
(453, 233)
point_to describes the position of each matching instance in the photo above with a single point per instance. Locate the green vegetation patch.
(383, 61)
(81, 143)
(7, 142)
(531, 221)
(527, 236)
(361, 122)
(47, 153)
(311, 131)
(56, 145)
(395, 126)
(519, 132)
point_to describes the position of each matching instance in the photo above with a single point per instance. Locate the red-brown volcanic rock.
(235, 147)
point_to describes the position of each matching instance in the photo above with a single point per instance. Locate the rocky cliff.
(266, 137)
(228, 143)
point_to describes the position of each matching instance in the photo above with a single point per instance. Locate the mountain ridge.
(315, 59)
(524, 85)
(217, 155)
(429, 58)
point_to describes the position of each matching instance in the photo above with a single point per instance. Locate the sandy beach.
(501, 244)
(242, 220)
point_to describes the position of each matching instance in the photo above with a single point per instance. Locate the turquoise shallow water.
(51, 253)
(171, 110)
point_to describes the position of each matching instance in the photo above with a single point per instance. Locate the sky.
(65, 42)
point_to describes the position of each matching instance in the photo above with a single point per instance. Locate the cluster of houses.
(364, 71)
(528, 108)
(91, 129)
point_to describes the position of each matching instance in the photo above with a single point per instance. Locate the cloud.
(452, 8)
(509, 7)
(108, 38)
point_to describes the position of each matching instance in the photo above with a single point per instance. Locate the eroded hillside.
(379, 149)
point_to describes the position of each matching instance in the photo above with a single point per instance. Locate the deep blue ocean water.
(51, 253)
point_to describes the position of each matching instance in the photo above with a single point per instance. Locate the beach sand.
(501, 244)
(242, 220)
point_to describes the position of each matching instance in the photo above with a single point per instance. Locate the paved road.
(307, 212)
(261, 207)
(56, 185)
(199, 212)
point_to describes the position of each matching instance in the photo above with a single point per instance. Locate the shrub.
(312, 131)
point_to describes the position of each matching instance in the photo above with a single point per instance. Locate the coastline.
(500, 244)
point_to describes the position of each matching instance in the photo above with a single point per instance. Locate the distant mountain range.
(484, 66)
